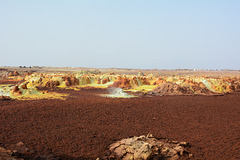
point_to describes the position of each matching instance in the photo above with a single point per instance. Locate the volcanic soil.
(85, 124)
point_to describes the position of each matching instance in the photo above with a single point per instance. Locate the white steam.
(117, 93)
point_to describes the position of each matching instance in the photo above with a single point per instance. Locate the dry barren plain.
(67, 115)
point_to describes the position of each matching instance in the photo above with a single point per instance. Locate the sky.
(145, 34)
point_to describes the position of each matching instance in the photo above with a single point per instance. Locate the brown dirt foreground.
(83, 126)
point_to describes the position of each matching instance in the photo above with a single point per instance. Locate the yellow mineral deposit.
(31, 93)
(131, 83)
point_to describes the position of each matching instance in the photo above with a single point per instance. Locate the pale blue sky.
(163, 34)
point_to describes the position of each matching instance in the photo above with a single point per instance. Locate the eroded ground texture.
(85, 124)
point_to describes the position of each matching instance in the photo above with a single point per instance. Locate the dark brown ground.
(84, 125)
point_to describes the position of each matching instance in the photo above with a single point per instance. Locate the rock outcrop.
(148, 147)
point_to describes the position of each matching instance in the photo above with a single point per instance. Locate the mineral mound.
(16, 90)
(122, 83)
(169, 88)
(52, 84)
(148, 147)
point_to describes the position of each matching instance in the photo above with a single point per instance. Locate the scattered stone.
(14, 151)
(8, 155)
